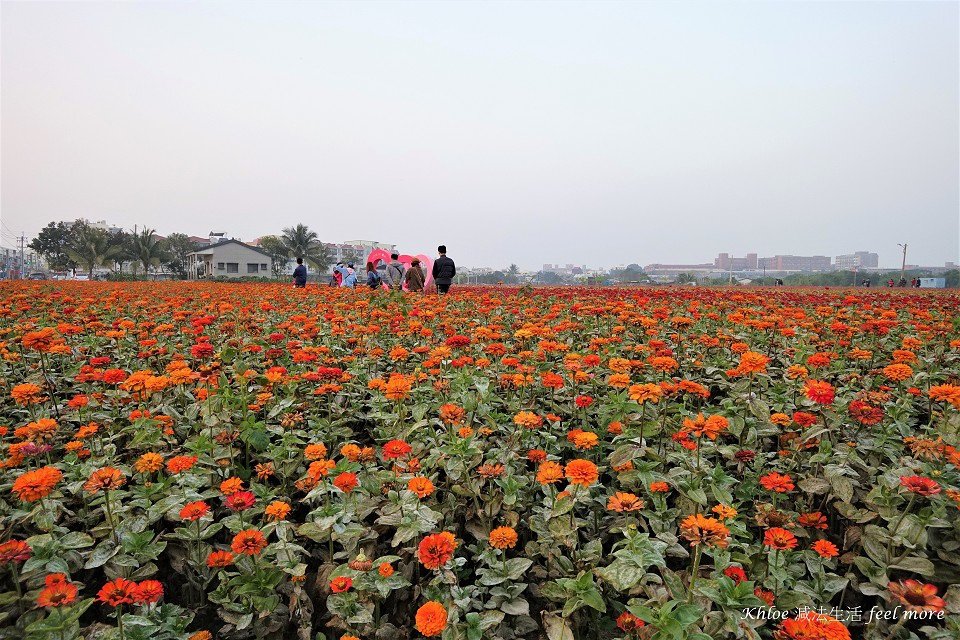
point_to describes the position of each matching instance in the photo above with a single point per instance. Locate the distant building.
(671, 269)
(796, 263)
(726, 262)
(228, 259)
(564, 270)
(355, 251)
(857, 260)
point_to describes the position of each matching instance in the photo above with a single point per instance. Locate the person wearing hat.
(414, 277)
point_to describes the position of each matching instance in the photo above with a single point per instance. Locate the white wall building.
(228, 259)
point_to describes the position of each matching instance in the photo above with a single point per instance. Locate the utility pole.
(23, 239)
(903, 265)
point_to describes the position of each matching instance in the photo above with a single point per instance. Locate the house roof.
(207, 248)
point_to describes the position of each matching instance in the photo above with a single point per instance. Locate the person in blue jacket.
(349, 276)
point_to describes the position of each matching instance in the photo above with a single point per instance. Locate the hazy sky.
(596, 133)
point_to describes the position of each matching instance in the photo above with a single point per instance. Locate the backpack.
(377, 280)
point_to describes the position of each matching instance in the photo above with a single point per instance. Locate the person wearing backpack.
(395, 272)
(374, 281)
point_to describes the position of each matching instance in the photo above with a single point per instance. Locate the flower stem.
(693, 574)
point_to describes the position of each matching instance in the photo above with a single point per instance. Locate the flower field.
(254, 461)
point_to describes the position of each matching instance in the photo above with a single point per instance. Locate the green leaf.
(621, 574)
(516, 567)
(101, 554)
(592, 598)
(516, 607)
(920, 566)
(556, 627)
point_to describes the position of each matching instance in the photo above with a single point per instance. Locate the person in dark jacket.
(300, 274)
(444, 271)
(414, 277)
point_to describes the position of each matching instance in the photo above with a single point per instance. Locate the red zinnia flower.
(341, 584)
(920, 485)
(118, 591)
(819, 391)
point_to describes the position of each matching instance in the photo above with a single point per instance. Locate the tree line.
(72, 246)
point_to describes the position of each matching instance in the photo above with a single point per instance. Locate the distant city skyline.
(513, 132)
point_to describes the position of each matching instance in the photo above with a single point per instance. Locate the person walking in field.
(395, 272)
(444, 270)
(414, 277)
(300, 274)
(373, 278)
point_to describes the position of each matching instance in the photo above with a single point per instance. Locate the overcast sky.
(595, 133)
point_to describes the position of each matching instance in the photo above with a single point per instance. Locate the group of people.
(396, 276)
(914, 283)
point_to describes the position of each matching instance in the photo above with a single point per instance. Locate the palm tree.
(90, 247)
(513, 274)
(147, 249)
(301, 242)
(278, 251)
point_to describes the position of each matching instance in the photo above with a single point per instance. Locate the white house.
(228, 259)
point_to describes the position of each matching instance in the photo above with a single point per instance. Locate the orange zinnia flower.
(25, 394)
(898, 372)
(193, 511)
(118, 591)
(581, 472)
(621, 501)
(341, 584)
(218, 559)
(436, 549)
(641, 393)
(503, 538)
(452, 414)
(946, 393)
(346, 481)
(57, 591)
(277, 510)
(819, 391)
(431, 619)
(396, 449)
(917, 596)
(825, 549)
(699, 529)
(811, 625)
(34, 485)
(920, 485)
(149, 462)
(779, 538)
(248, 542)
(528, 420)
(105, 479)
(752, 362)
(180, 464)
(421, 486)
(315, 451)
(231, 485)
(549, 472)
(777, 482)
